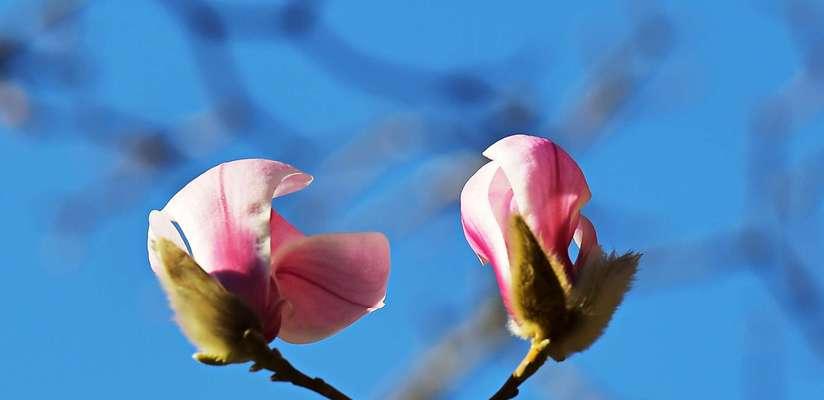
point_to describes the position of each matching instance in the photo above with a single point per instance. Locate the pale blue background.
(84, 316)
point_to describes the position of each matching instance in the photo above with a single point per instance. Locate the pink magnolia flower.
(325, 281)
(531, 182)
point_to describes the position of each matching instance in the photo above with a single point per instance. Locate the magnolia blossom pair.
(520, 212)
(249, 269)
(263, 274)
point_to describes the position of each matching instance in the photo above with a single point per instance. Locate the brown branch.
(533, 360)
(283, 371)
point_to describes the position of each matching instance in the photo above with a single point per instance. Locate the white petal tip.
(292, 183)
(378, 306)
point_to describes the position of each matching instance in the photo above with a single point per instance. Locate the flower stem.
(283, 371)
(534, 359)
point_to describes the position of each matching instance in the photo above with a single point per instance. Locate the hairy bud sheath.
(547, 306)
(211, 317)
(539, 286)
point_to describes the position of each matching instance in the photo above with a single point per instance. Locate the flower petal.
(282, 232)
(486, 205)
(585, 237)
(225, 214)
(160, 226)
(330, 281)
(548, 186)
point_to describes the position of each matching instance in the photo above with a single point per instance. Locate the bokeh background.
(698, 124)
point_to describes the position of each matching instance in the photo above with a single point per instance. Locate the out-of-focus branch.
(617, 79)
(300, 22)
(457, 352)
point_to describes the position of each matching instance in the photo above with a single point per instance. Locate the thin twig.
(533, 360)
(283, 371)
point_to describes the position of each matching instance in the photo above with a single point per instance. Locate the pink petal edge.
(330, 281)
(486, 204)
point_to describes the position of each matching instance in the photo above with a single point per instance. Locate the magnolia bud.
(547, 306)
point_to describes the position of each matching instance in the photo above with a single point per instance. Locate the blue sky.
(85, 316)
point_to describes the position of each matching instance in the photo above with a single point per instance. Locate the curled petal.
(330, 281)
(486, 204)
(585, 238)
(225, 214)
(161, 227)
(548, 186)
